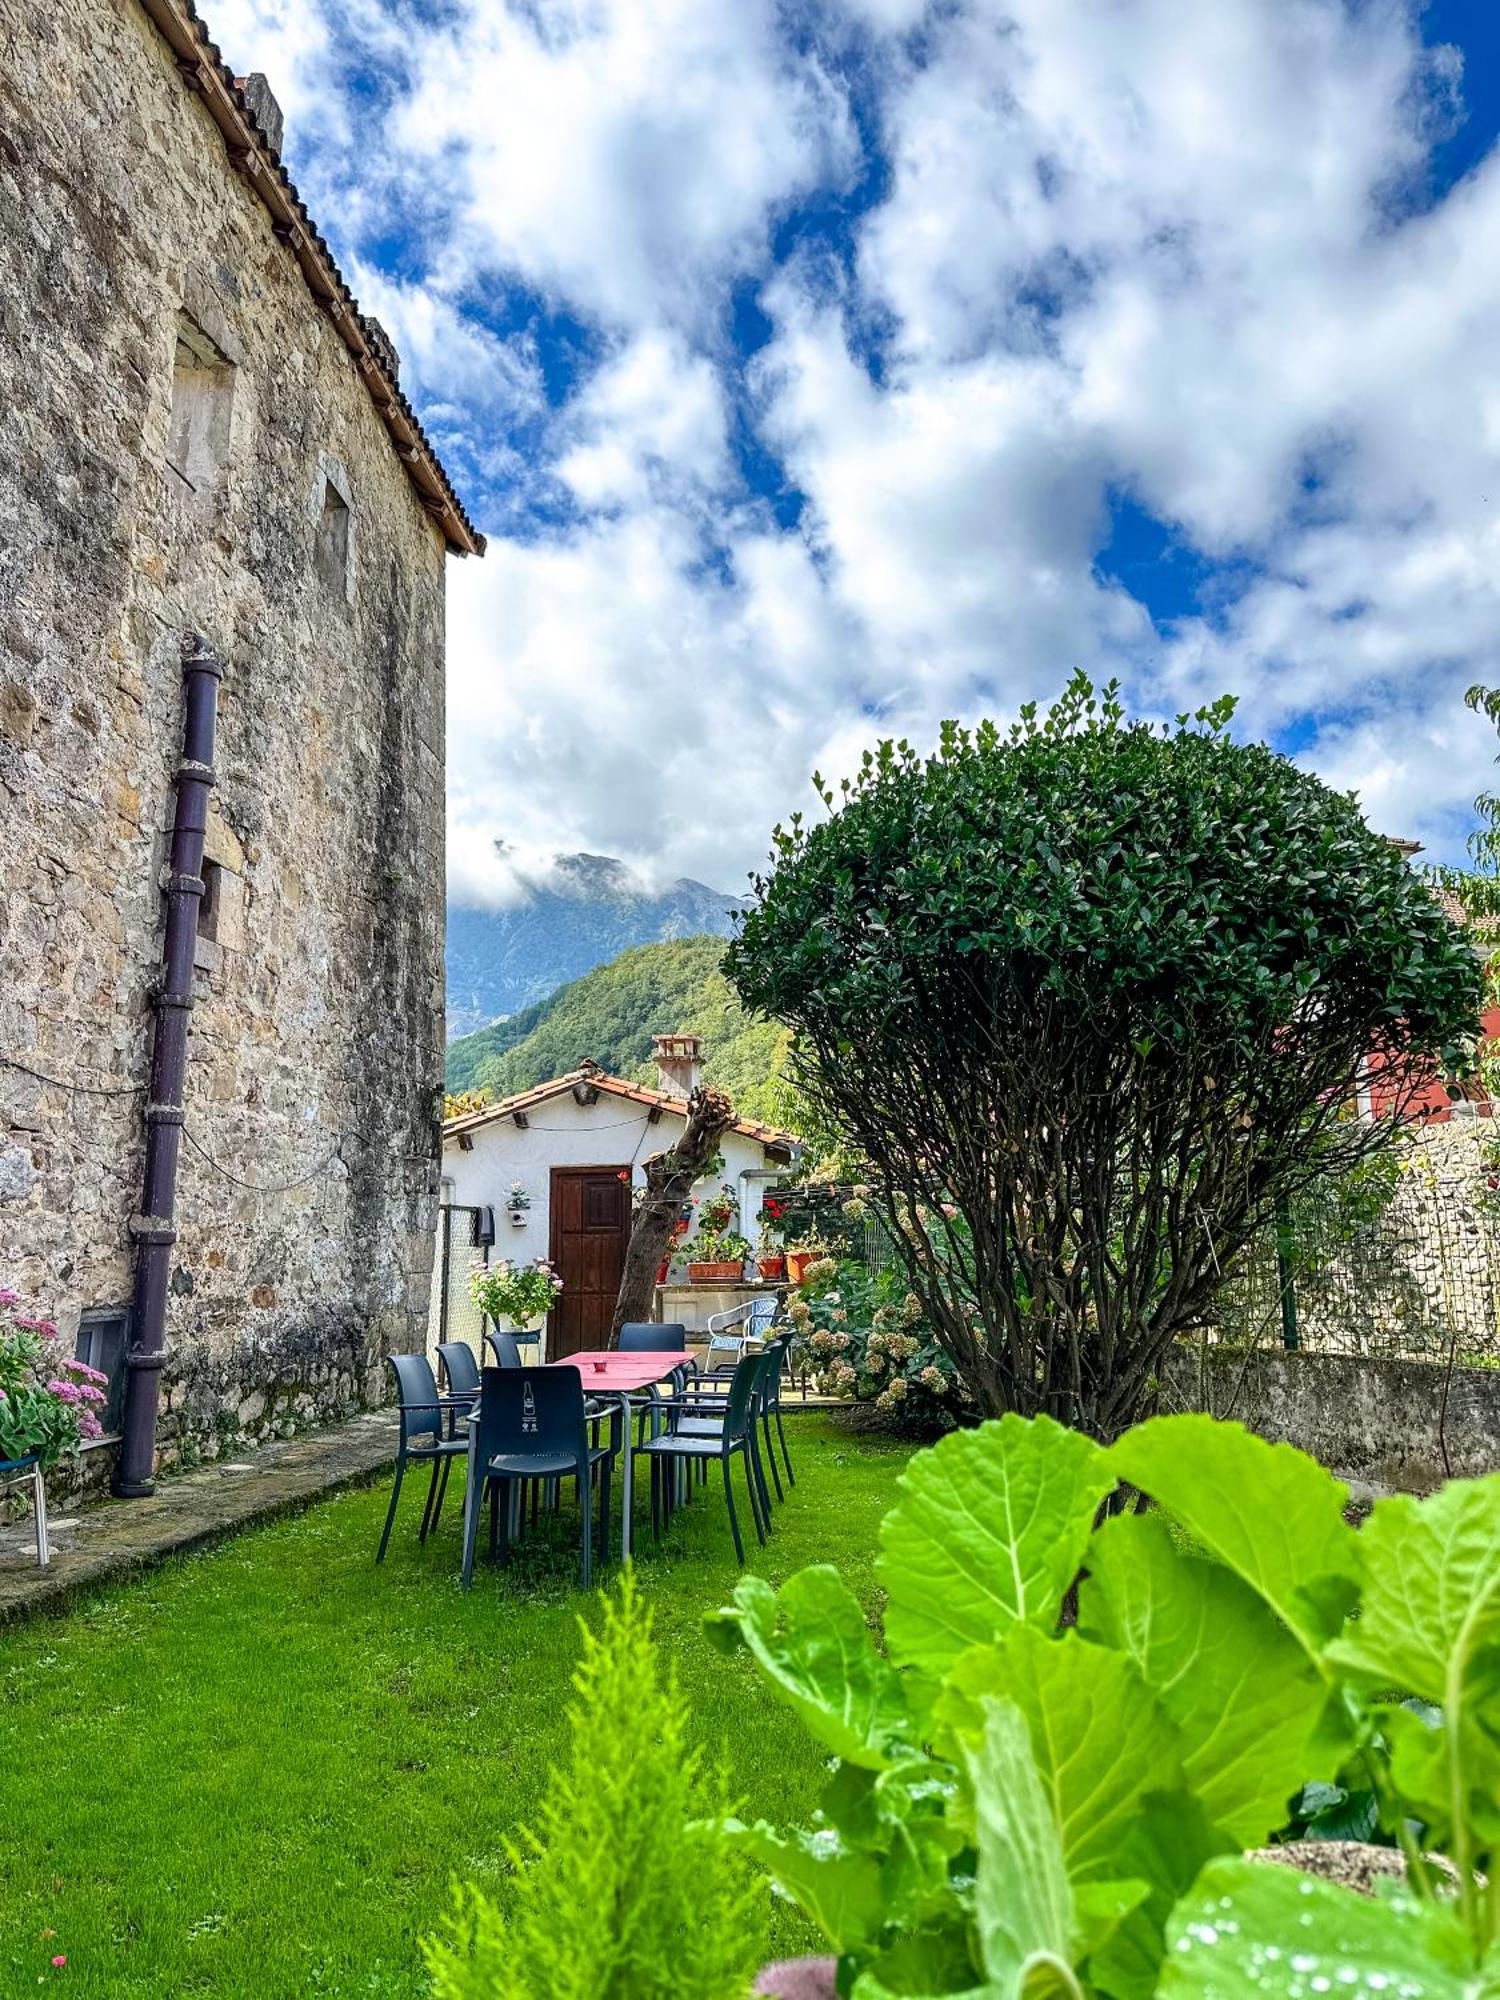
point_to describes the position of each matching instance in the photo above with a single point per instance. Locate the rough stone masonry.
(202, 432)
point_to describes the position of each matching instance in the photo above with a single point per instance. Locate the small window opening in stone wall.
(202, 400)
(101, 1343)
(211, 901)
(331, 543)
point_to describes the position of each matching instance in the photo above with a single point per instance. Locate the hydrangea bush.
(866, 1337)
(49, 1402)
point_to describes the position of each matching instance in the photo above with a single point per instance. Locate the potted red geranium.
(771, 1258)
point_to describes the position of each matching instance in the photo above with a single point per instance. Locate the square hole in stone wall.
(202, 404)
(331, 542)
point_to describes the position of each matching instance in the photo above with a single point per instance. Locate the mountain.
(583, 911)
(612, 1013)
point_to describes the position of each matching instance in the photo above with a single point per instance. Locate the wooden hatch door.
(590, 1227)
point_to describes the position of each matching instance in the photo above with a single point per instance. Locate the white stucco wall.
(562, 1133)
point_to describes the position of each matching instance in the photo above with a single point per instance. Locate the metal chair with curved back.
(422, 1441)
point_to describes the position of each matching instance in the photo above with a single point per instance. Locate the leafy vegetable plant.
(1023, 1808)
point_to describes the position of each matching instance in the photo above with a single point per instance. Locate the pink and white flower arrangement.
(49, 1401)
(514, 1294)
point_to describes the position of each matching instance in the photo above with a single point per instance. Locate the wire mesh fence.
(452, 1313)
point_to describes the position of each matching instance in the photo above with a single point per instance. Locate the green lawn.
(255, 1772)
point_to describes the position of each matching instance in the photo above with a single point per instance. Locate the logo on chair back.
(528, 1409)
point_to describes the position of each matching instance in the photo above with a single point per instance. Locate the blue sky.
(821, 369)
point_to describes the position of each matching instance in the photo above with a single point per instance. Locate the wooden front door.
(590, 1211)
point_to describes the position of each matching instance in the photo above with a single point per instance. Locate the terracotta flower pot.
(715, 1274)
(772, 1267)
(797, 1262)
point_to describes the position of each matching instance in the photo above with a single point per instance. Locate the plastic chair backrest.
(740, 1402)
(523, 1410)
(778, 1351)
(506, 1348)
(664, 1337)
(460, 1369)
(416, 1385)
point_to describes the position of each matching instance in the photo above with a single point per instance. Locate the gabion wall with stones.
(189, 445)
(1419, 1279)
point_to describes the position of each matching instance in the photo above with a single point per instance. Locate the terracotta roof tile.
(615, 1086)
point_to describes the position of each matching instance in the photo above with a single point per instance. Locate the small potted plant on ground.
(518, 1202)
(515, 1296)
(771, 1259)
(718, 1257)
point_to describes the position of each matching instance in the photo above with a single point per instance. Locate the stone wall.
(1421, 1278)
(1383, 1423)
(189, 445)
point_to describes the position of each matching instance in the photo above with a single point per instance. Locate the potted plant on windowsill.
(516, 1297)
(770, 1257)
(718, 1258)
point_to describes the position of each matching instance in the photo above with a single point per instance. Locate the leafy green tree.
(1093, 997)
(624, 1887)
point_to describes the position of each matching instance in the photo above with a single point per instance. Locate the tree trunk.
(669, 1180)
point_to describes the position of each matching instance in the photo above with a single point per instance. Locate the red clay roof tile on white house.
(614, 1086)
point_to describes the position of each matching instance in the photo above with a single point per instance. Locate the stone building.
(204, 434)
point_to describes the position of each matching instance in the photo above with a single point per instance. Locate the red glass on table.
(608, 1368)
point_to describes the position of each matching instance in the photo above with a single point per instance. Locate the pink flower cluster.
(80, 1385)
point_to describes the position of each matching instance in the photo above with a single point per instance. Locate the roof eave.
(204, 72)
(615, 1086)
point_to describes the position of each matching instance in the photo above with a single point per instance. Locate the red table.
(616, 1376)
(608, 1372)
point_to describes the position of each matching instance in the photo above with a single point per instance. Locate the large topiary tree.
(1094, 997)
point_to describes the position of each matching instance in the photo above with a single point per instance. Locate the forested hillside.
(611, 1014)
(583, 913)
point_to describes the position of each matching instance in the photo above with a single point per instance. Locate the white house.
(577, 1145)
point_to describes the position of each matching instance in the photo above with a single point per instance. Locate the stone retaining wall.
(1383, 1423)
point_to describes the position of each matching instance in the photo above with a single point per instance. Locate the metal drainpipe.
(153, 1229)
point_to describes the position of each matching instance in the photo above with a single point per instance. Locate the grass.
(257, 1770)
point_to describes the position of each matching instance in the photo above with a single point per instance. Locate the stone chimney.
(679, 1063)
(266, 112)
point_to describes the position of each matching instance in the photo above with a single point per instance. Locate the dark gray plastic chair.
(652, 1336)
(422, 1441)
(458, 1370)
(533, 1426)
(506, 1350)
(731, 1434)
